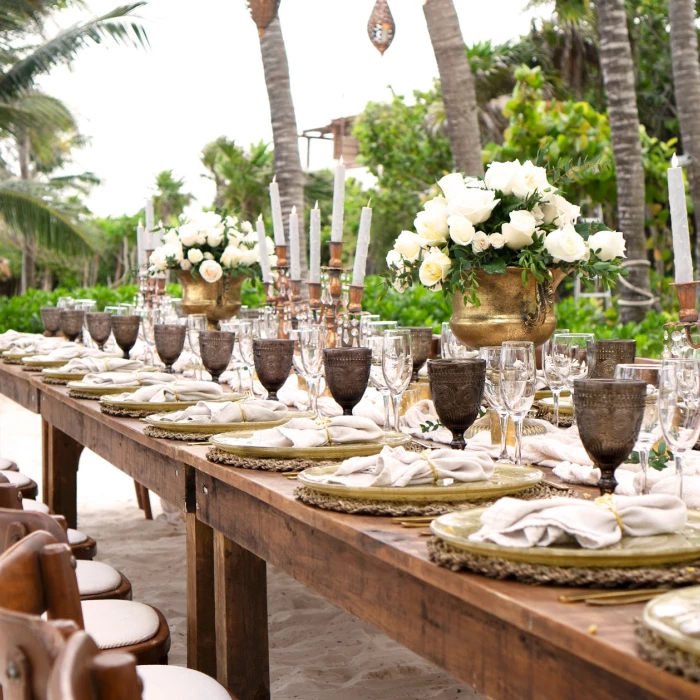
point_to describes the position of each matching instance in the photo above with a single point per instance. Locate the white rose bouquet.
(513, 217)
(209, 245)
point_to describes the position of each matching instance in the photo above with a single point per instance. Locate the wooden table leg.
(242, 652)
(201, 631)
(60, 457)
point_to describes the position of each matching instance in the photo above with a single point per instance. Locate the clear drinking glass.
(570, 359)
(551, 376)
(65, 303)
(245, 344)
(518, 381)
(364, 320)
(679, 409)
(373, 338)
(650, 431)
(297, 364)
(397, 366)
(312, 341)
(195, 324)
(451, 347)
(492, 392)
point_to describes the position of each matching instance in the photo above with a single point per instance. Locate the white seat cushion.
(17, 478)
(35, 506)
(7, 464)
(95, 577)
(177, 683)
(119, 623)
(75, 536)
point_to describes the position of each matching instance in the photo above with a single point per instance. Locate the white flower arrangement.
(208, 245)
(512, 217)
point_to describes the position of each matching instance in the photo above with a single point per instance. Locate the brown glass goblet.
(72, 323)
(216, 348)
(609, 414)
(347, 373)
(126, 332)
(273, 362)
(51, 318)
(421, 342)
(457, 387)
(99, 325)
(605, 355)
(170, 340)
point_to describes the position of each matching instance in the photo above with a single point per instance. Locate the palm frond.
(35, 110)
(64, 47)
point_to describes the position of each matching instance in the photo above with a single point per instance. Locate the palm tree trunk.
(686, 82)
(618, 79)
(457, 81)
(28, 251)
(284, 128)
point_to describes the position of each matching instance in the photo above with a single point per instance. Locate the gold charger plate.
(669, 614)
(101, 391)
(506, 479)
(159, 421)
(9, 355)
(239, 444)
(455, 529)
(165, 406)
(37, 363)
(55, 374)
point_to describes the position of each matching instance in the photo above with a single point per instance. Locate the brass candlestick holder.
(688, 315)
(282, 300)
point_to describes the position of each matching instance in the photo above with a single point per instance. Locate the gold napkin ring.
(608, 502)
(244, 418)
(436, 476)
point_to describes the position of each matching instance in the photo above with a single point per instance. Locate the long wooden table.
(505, 639)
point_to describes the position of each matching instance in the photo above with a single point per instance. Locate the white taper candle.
(360, 266)
(294, 261)
(262, 247)
(338, 202)
(315, 245)
(682, 260)
(277, 221)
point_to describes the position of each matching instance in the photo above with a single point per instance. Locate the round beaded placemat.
(50, 380)
(76, 394)
(156, 432)
(269, 465)
(127, 412)
(653, 648)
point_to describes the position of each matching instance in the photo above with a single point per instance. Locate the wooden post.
(60, 457)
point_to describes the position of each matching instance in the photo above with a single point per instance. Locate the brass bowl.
(421, 342)
(273, 363)
(99, 325)
(51, 318)
(608, 354)
(220, 300)
(170, 340)
(347, 374)
(126, 332)
(216, 348)
(72, 323)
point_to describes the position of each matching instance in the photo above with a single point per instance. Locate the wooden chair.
(37, 575)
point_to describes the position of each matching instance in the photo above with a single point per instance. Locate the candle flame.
(294, 209)
(260, 218)
(316, 207)
(341, 161)
(674, 161)
(274, 178)
(369, 203)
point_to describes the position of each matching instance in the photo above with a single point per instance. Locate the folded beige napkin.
(36, 344)
(69, 352)
(101, 364)
(371, 406)
(137, 378)
(180, 390)
(418, 416)
(398, 467)
(230, 412)
(592, 524)
(577, 473)
(306, 432)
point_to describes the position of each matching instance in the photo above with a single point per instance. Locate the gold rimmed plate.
(506, 479)
(105, 390)
(36, 362)
(675, 617)
(161, 421)
(455, 528)
(164, 406)
(239, 444)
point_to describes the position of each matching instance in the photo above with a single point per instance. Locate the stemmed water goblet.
(491, 354)
(373, 338)
(170, 341)
(72, 323)
(570, 358)
(51, 318)
(99, 325)
(397, 366)
(216, 349)
(518, 379)
(312, 342)
(551, 376)
(273, 362)
(126, 332)
(421, 340)
(347, 374)
(196, 323)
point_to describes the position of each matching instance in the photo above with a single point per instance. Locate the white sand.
(318, 652)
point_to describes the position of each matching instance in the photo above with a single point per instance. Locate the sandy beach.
(318, 651)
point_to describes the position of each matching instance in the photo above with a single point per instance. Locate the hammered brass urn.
(509, 309)
(220, 300)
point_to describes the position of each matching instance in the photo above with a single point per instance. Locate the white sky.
(202, 78)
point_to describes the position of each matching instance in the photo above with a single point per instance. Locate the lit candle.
(262, 247)
(294, 263)
(150, 219)
(315, 245)
(682, 260)
(141, 244)
(277, 222)
(338, 202)
(358, 270)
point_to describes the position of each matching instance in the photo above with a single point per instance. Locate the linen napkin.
(592, 524)
(180, 390)
(371, 406)
(577, 473)
(71, 351)
(230, 412)
(81, 365)
(136, 378)
(420, 414)
(306, 432)
(396, 467)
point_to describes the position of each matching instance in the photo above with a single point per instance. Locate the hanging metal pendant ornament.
(263, 13)
(381, 27)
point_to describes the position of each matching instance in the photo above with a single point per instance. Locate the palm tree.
(284, 127)
(618, 79)
(170, 201)
(457, 83)
(686, 79)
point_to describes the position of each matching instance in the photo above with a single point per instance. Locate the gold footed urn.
(509, 310)
(220, 300)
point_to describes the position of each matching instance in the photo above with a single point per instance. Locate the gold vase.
(220, 300)
(509, 309)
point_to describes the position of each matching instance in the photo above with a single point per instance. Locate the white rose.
(171, 236)
(434, 268)
(475, 204)
(518, 233)
(408, 244)
(208, 256)
(201, 238)
(394, 259)
(431, 223)
(461, 229)
(502, 176)
(474, 182)
(481, 242)
(158, 259)
(174, 251)
(231, 221)
(246, 227)
(497, 240)
(538, 213)
(186, 265)
(607, 245)
(532, 178)
(195, 255)
(231, 256)
(211, 271)
(187, 234)
(214, 237)
(566, 244)
(249, 256)
(251, 237)
(452, 185)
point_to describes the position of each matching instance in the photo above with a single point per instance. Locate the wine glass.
(397, 366)
(373, 338)
(679, 409)
(196, 323)
(570, 359)
(245, 346)
(312, 341)
(551, 376)
(650, 431)
(451, 348)
(518, 381)
(492, 392)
